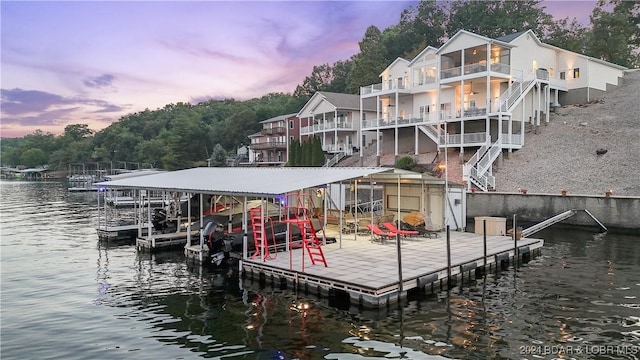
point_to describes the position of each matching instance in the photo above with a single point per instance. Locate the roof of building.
(278, 118)
(134, 173)
(511, 37)
(514, 36)
(347, 101)
(240, 181)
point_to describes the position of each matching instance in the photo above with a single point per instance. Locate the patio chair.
(362, 226)
(404, 233)
(379, 234)
(421, 229)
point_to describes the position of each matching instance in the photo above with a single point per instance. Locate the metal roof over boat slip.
(244, 181)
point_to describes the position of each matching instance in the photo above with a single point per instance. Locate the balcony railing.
(475, 68)
(338, 148)
(341, 124)
(268, 145)
(501, 68)
(470, 139)
(274, 131)
(400, 120)
(449, 73)
(365, 90)
(395, 85)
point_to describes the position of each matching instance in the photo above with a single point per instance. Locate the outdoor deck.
(167, 240)
(368, 271)
(120, 232)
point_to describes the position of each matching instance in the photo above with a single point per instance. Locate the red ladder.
(259, 234)
(309, 238)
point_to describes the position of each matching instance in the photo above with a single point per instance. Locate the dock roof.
(242, 181)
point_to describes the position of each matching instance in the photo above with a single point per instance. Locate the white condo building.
(477, 95)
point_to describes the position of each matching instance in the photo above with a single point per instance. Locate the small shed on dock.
(408, 191)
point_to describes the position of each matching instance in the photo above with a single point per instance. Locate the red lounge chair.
(392, 228)
(379, 234)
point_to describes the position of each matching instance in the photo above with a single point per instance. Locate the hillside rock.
(586, 149)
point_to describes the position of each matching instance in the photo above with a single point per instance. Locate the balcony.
(330, 125)
(268, 145)
(386, 87)
(274, 131)
(468, 139)
(400, 121)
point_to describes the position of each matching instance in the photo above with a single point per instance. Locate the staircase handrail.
(487, 160)
(509, 97)
(475, 157)
(335, 159)
(432, 132)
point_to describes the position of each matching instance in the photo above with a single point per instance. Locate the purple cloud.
(41, 108)
(99, 82)
(49, 118)
(17, 101)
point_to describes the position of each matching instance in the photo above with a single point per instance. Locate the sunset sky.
(80, 62)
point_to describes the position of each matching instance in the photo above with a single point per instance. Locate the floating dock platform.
(369, 274)
(156, 242)
(121, 232)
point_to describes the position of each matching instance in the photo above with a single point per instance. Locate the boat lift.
(556, 219)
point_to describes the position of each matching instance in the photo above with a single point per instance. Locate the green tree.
(615, 35)
(77, 132)
(294, 153)
(405, 163)
(568, 34)
(317, 152)
(418, 28)
(369, 63)
(497, 18)
(219, 156)
(33, 157)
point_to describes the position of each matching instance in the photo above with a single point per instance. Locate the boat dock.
(368, 272)
(157, 242)
(120, 232)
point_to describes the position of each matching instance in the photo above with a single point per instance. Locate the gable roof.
(517, 35)
(465, 32)
(422, 53)
(511, 37)
(339, 101)
(241, 181)
(397, 60)
(278, 118)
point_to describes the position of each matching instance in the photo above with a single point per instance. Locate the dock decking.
(120, 232)
(368, 272)
(167, 240)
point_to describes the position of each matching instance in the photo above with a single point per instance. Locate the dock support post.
(515, 243)
(400, 290)
(484, 237)
(448, 258)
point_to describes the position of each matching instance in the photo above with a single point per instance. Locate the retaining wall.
(615, 212)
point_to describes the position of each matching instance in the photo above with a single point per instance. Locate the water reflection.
(115, 302)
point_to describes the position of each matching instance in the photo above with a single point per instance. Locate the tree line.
(184, 135)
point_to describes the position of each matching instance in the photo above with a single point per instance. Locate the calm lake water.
(64, 296)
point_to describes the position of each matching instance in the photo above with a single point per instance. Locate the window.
(576, 73)
(291, 124)
(563, 75)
